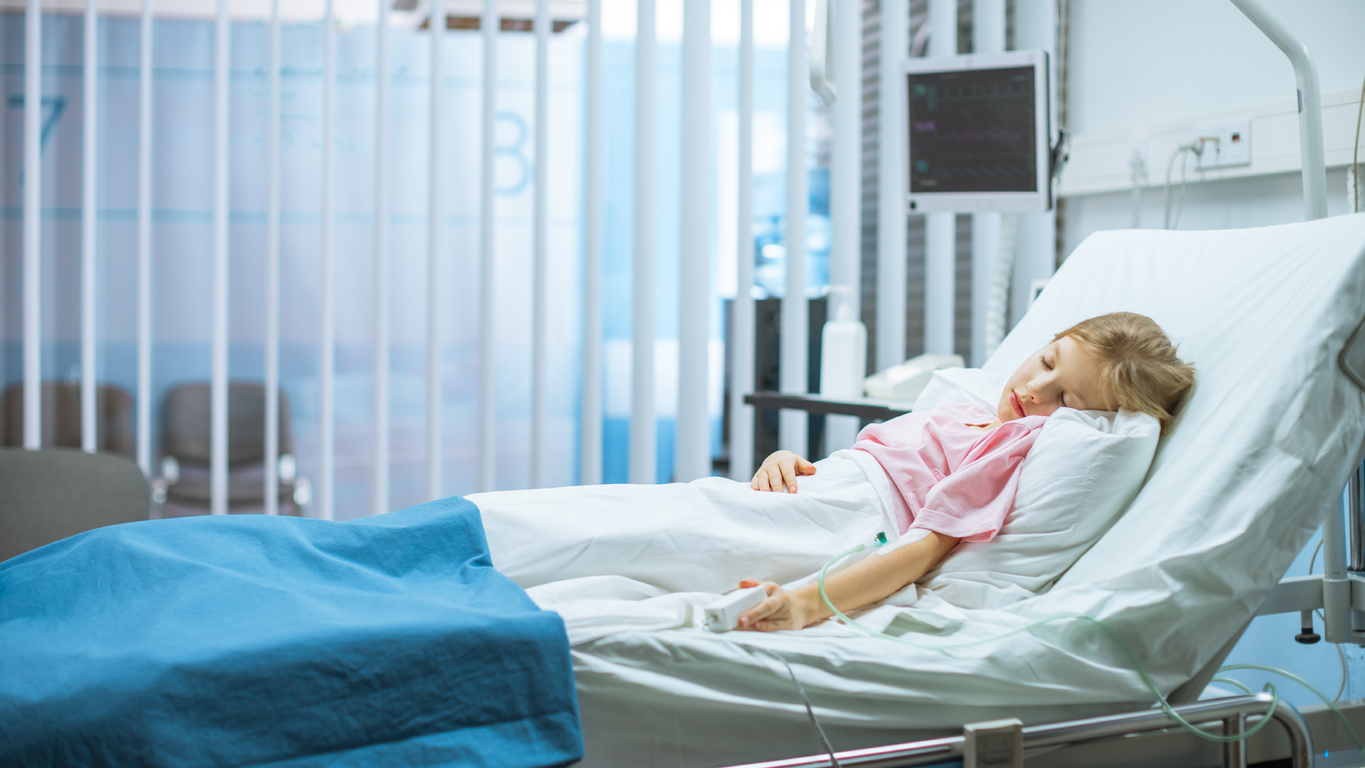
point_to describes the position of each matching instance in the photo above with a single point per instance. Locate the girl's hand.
(782, 610)
(779, 472)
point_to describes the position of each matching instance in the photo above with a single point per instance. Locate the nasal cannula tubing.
(1122, 643)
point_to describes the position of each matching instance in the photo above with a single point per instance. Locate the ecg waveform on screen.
(984, 172)
(972, 131)
(983, 135)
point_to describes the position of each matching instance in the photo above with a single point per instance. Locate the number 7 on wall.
(52, 106)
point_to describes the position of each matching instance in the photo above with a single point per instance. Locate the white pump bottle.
(843, 348)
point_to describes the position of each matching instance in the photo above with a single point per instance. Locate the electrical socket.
(1226, 144)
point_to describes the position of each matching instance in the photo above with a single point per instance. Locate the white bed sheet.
(1259, 453)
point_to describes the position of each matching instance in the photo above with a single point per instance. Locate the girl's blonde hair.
(1137, 361)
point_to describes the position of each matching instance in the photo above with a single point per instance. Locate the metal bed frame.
(1003, 743)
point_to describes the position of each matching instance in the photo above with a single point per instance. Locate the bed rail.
(1232, 712)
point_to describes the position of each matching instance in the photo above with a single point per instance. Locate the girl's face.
(1064, 374)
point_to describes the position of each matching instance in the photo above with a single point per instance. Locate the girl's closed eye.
(1043, 359)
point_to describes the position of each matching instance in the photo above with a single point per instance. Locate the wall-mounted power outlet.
(1225, 144)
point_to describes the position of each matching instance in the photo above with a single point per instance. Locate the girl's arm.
(863, 583)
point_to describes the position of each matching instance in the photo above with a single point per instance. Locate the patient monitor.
(907, 380)
(978, 135)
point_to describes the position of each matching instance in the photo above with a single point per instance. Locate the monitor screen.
(972, 131)
(977, 133)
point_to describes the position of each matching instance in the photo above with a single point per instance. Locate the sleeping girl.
(945, 475)
(955, 468)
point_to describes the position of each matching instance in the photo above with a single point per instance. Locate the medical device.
(908, 379)
(723, 615)
(978, 133)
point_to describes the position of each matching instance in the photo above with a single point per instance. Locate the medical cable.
(1197, 148)
(1305, 684)
(1355, 153)
(805, 700)
(1122, 643)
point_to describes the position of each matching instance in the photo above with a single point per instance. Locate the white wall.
(1137, 63)
(1133, 65)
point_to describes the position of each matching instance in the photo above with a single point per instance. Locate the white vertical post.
(891, 213)
(218, 440)
(435, 292)
(1035, 26)
(379, 501)
(988, 36)
(692, 456)
(643, 430)
(540, 241)
(795, 320)
(272, 278)
(487, 251)
(940, 231)
(327, 353)
(144, 246)
(591, 441)
(33, 200)
(742, 311)
(89, 426)
(845, 206)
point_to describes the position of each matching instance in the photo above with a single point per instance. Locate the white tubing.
(643, 429)
(218, 436)
(940, 235)
(540, 241)
(435, 297)
(795, 320)
(33, 179)
(891, 213)
(591, 440)
(144, 246)
(487, 402)
(844, 198)
(379, 498)
(692, 456)
(89, 428)
(272, 279)
(742, 311)
(327, 342)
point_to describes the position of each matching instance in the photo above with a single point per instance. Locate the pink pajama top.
(948, 477)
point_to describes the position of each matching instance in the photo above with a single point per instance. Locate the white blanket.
(614, 558)
(1260, 452)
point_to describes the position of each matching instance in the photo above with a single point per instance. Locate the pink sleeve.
(972, 502)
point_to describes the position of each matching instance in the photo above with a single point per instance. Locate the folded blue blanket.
(246, 639)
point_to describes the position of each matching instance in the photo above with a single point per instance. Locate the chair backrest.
(62, 416)
(52, 494)
(186, 422)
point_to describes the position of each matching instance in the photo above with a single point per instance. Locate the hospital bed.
(1260, 452)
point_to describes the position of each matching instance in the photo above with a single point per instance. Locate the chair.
(61, 401)
(186, 448)
(52, 494)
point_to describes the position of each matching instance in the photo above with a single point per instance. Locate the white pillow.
(1081, 474)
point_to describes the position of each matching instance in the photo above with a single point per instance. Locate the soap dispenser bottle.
(843, 348)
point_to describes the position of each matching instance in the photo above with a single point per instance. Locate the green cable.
(1127, 649)
(1330, 704)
